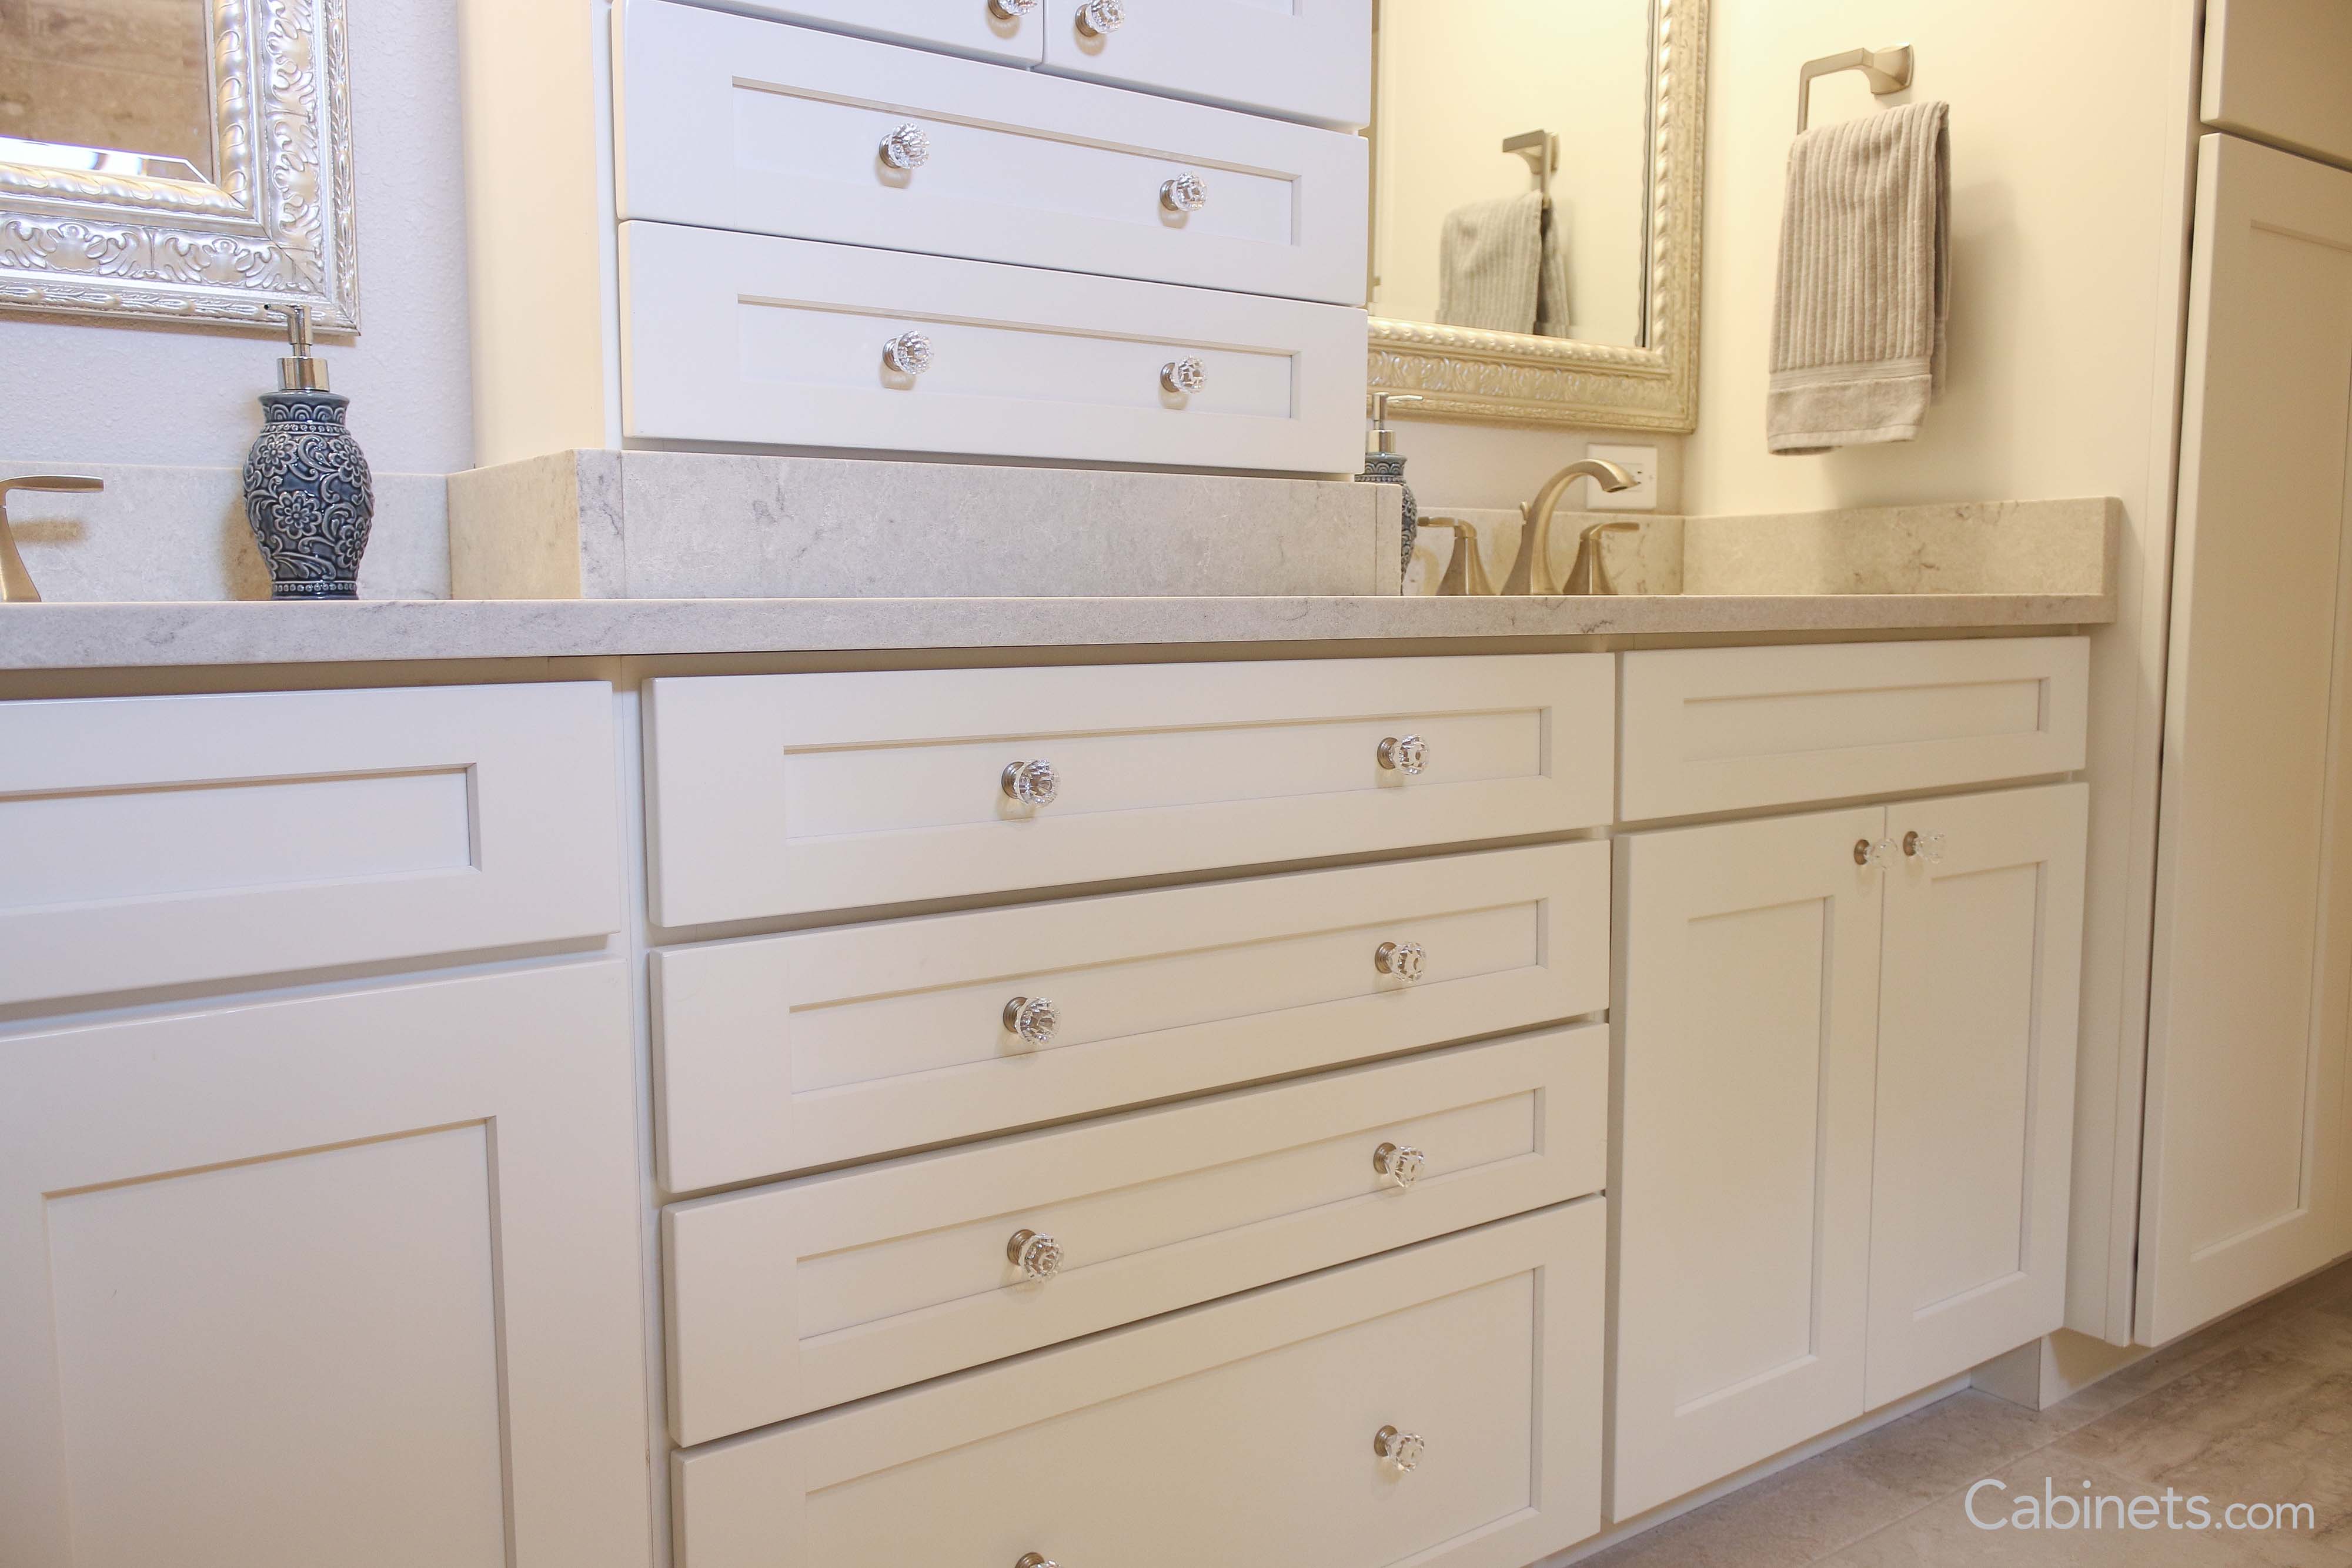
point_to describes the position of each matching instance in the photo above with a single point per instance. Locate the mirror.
(185, 159)
(1535, 208)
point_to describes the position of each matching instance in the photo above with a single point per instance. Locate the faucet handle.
(15, 583)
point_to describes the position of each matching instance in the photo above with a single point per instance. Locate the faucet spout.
(1532, 573)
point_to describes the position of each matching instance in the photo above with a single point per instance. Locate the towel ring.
(1889, 70)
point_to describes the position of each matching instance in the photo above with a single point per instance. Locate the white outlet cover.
(1641, 461)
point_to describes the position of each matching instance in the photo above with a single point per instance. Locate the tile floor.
(2256, 1408)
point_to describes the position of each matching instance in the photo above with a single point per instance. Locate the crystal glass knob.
(1037, 1559)
(1097, 17)
(908, 353)
(1869, 852)
(1402, 959)
(1038, 1256)
(1012, 10)
(1032, 783)
(1929, 847)
(1185, 375)
(1186, 193)
(906, 147)
(1406, 754)
(1400, 1163)
(1403, 1450)
(1034, 1019)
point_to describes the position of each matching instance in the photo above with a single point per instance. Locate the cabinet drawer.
(788, 794)
(1302, 59)
(1715, 729)
(1240, 1432)
(734, 123)
(168, 841)
(793, 1298)
(960, 26)
(745, 338)
(781, 1053)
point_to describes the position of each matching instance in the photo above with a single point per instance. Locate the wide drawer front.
(168, 841)
(781, 1053)
(735, 124)
(1715, 729)
(975, 27)
(1304, 59)
(793, 1298)
(790, 794)
(746, 338)
(1242, 1432)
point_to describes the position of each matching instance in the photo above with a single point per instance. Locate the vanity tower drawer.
(981, 29)
(1247, 1431)
(1302, 59)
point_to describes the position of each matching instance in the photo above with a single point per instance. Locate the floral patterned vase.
(309, 496)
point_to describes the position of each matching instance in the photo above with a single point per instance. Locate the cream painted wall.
(2071, 125)
(1475, 467)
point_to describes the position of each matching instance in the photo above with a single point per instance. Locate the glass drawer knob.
(908, 353)
(1403, 1450)
(1037, 1559)
(1034, 1019)
(1185, 375)
(1097, 17)
(1867, 853)
(1186, 193)
(1929, 847)
(1406, 754)
(907, 147)
(1402, 959)
(1032, 783)
(1037, 1256)
(1012, 10)
(1400, 1163)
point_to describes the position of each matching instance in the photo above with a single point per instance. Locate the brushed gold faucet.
(1531, 573)
(15, 583)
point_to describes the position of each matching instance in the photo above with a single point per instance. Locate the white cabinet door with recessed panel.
(1749, 1025)
(1979, 982)
(1301, 60)
(350, 1279)
(1013, 31)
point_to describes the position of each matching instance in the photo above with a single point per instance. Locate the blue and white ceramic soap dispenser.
(308, 492)
(1384, 465)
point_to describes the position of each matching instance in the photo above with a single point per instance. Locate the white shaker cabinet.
(1299, 59)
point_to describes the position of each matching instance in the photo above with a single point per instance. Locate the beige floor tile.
(2158, 1434)
(1947, 1445)
(2299, 1451)
(1785, 1520)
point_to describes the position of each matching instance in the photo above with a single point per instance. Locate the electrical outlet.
(1641, 461)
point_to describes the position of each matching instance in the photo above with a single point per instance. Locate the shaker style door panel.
(2243, 1186)
(1749, 1002)
(1241, 1432)
(787, 1298)
(976, 27)
(2275, 71)
(744, 338)
(734, 123)
(790, 794)
(781, 1053)
(1301, 60)
(350, 1279)
(1978, 990)
(162, 840)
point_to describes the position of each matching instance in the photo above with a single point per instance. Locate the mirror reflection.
(116, 87)
(1511, 166)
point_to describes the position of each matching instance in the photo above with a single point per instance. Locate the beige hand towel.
(1551, 294)
(1489, 263)
(1865, 282)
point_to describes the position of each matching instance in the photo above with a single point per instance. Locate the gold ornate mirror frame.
(274, 226)
(1508, 378)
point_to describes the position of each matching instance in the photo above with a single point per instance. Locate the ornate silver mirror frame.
(1504, 378)
(275, 226)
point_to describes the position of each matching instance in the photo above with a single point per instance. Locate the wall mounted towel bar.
(1889, 70)
(1541, 149)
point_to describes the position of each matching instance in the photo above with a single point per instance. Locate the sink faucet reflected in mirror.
(15, 583)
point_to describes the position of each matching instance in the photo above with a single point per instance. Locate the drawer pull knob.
(1097, 17)
(908, 353)
(1032, 783)
(1402, 959)
(1402, 1165)
(1403, 1450)
(1034, 1019)
(906, 147)
(1929, 847)
(1037, 1559)
(1038, 1256)
(1185, 375)
(1186, 193)
(1867, 853)
(1406, 754)
(1012, 10)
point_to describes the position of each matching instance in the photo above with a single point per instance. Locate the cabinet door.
(353, 1278)
(1979, 988)
(2275, 70)
(1750, 1008)
(2244, 1150)
(1301, 59)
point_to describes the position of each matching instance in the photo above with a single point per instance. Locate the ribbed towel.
(1490, 263)
(1866, 282)
(1551, 294)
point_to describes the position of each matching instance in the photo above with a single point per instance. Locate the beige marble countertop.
(162, 636)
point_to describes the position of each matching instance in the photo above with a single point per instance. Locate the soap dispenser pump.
(308, 492)
(1384, 465)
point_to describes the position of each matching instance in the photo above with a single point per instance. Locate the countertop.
(162, 636)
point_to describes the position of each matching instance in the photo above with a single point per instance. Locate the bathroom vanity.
(750, 1083)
